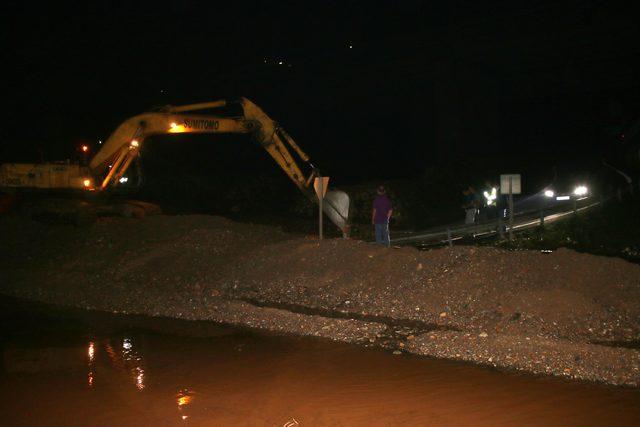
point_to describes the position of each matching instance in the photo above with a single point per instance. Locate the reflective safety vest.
(490, 197)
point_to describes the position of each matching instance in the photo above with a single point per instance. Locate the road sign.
(510, 184)
(320, 185)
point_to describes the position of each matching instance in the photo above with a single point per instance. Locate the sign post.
(320, 184)
(511, 209)
(510, 184)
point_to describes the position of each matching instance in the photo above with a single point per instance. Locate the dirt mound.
(159, 251)
(563, 294)
(183, 263)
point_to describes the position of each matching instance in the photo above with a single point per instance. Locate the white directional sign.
(510, 183)
(317, 185)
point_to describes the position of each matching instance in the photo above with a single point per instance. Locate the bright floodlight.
(123, 179)
(86, 183)
(549, 193)
(135, 143)
(173, 125)
(580, 190)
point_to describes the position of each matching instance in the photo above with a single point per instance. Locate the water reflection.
(272, 381)
(91, 351)
(132, 361)
(128, 359)
(91, 354)
(139, 378)
(183, 399)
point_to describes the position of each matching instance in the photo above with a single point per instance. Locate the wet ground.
(71, 367)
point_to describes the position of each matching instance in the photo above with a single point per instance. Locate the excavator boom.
(123, 146)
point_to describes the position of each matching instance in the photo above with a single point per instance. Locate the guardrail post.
(510, 210)
(449, 241)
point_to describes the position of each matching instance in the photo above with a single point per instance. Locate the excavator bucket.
(336, 208)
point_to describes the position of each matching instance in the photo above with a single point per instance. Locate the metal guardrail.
(522, 221)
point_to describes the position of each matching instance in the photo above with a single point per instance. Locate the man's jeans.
(382, 234)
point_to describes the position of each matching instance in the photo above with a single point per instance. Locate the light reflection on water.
(91, 354)
(345, 382)
(127, 378)
(184, 398)
(129, 360)
(133, 360)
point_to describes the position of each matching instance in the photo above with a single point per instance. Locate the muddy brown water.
(66, 367)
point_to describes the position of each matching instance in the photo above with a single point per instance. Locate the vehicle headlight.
(549, 193)
(580, 190)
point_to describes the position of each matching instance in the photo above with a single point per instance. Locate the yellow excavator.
(110, 163)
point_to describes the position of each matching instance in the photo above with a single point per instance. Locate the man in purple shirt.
(382, 211)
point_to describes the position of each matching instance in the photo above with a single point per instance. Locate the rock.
(483, 335)
(397, 352)
(443, 314)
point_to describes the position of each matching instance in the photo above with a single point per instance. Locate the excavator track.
(82, 212)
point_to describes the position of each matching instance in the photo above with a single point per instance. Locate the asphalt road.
(529, 212)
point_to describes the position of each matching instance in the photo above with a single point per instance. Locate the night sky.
(370, 89)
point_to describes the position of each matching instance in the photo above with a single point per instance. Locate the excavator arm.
(123, 146)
